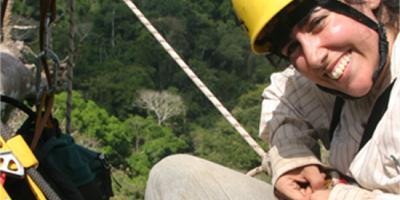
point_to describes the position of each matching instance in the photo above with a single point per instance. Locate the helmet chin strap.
(342, 8)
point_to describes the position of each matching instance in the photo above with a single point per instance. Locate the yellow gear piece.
(22, 157)
(22, 151)
(4, 194)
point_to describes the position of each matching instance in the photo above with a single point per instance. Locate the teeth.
(339, 68)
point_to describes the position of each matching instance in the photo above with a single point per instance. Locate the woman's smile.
(337, 70)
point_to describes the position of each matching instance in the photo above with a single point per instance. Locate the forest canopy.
(116, 59)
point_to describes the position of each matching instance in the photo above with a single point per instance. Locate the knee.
(168, 176)
(171, 165)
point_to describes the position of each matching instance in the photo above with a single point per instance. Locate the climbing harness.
(18, 160)
(57, 153)
(16, 156)
(377, 112)
(203, 88)
(69, 170)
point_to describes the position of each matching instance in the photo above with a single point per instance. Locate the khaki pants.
(187, 177)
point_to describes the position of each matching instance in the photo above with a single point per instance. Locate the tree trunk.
(113, 29)
(6, 28)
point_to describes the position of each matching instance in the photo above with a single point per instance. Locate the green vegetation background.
(116, 57)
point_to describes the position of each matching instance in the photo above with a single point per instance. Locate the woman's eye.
(291, 48)
(315, 23)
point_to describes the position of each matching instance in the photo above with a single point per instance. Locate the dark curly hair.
(392, 9)
(387, 13)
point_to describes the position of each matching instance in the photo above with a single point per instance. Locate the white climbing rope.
(228, 116)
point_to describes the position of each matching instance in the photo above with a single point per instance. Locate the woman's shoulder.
(290, 82)
(293, 88)
(288, 77)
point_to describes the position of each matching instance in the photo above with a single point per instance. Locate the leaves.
(117, 59)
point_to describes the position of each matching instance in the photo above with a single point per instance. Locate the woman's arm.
(292, 115)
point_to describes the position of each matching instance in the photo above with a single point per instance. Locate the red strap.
(2, 178)
(343, 181)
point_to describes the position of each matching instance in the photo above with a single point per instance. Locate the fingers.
(307, 192)
(314, 177)
(300, 183)
(289, 188)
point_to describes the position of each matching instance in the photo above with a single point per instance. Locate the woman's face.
(335, 51)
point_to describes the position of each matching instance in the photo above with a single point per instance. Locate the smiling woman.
(349, 49)
(320, 37)
(341, 89)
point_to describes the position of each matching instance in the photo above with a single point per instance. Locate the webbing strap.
(47, 15)
(345, 9)
(377, 112)
(379, 109)
(17, 104)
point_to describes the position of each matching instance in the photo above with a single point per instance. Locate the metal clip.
(10, 164)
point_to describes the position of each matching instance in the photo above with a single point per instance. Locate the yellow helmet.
(255, 15)
(269, 24)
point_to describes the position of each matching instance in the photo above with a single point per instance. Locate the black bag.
(84, 169)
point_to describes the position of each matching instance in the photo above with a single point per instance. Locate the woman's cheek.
(301, 65)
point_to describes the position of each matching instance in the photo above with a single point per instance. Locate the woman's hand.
(300, 183)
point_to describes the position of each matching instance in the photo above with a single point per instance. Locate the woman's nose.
(314, 52)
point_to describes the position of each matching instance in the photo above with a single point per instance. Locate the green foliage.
(248, 112)
(115, 89)
(94, 122)
(204, 33)
(116, 56)
(124, 187)
(248, 109)
(135, 144)
(152, 142)
(26, 8)
(223, 145)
